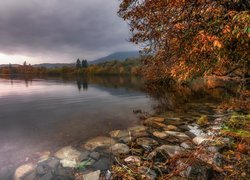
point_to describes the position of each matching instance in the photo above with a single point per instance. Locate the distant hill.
(119, 56)
(54, 65)
(7, 65)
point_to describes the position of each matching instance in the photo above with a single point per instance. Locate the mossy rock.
(202, 121)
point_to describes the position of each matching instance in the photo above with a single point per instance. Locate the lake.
(43, 114)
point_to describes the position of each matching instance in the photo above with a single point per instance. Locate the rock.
(147, 173)
(99, 142)
(137, 151)
(178, 135)
(119, 133)
(23, 170)
(156, 119)
(171, 150)
(133, 159)
(44, 156)
(102, 164)
(126, 140)
(68, 163)
(202, 121)
(41, 170)
(140, 134)
(64, 173)
(196, 131)
(161, 135)
(68, 153)
(47, 176)
(84, 156)
(30, 176)
(198, 170)
(154, 124)
(138, 128)
(187, 145)
(201, 140)
(171, 128)
(146, 141)
(95, 155)
(120, 148)
(53, 163)
(92, 176)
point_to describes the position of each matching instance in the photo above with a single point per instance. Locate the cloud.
(62, 30)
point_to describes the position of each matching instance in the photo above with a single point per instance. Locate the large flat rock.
(99, 142)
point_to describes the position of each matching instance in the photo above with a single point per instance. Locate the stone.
(202, 121)
(68, 153)
(95, 155)
(92, 175)
(146, 141)
(99, 142)
(119, 133)
(47, 176)
(201, 140)
(102, 164)
(120, 148)
(30, 176)
(64, 173)
(198, 170)
(156, 119)
(154, 124)
(147, 173)
(196, 131)
(178, 135)
(140, 134)
(171, 150)
(84, 156)
(41, 170)
(53, 163)
(133, 159)
(137, 128)
(44, 156)
(126, 140)
(23, 170)
(187, 145)
(161, 135)
(171, 128)
(68, 163)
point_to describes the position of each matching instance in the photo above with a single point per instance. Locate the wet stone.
(102, 164)
(92, 175)
(99, 142)
(138, 128)
(187, 145)
(146, 141)
(120, 148)
(84, 156)
(94, 155)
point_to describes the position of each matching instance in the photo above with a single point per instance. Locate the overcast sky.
(60, 30)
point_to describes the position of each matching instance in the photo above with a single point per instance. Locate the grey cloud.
(62, 29)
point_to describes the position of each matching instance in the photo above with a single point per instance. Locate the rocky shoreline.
(159, 148)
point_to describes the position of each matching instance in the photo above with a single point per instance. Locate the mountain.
(54, 65)
(119, 56)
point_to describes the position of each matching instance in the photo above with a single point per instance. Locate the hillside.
(119, 56)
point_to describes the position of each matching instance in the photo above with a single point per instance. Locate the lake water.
(43, 114)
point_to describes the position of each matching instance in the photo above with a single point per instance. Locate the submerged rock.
(145, 141)
(187, 145)
(120, 148)
(138, 128)
(68, 163)
(23, 170)
(95, 155)
(99, 142)
(171, 128)
(119, 133)
(68, 153)
(170, 150)
(92, 175)
(156, 119)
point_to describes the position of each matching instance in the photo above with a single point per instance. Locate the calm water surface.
(39, 115)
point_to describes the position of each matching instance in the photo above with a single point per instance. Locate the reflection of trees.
(183, 97)
(82, 83)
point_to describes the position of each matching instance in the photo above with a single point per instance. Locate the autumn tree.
(84, 63)
(190, 38)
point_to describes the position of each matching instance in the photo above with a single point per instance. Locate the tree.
(187, 38)
(84, 63)
(24, 63)
(78, 64)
